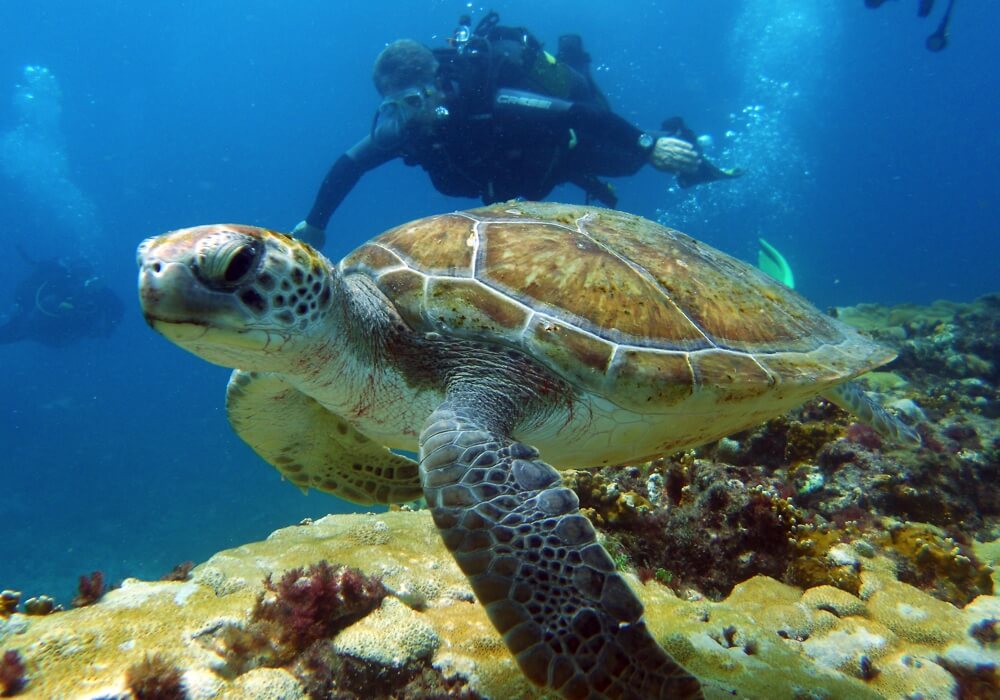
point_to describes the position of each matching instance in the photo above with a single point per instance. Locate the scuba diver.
(60, 302)
(938, 40)
(496, 117)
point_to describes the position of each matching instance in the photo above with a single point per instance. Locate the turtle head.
(237, 296)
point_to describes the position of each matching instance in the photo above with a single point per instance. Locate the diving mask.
(399, 115)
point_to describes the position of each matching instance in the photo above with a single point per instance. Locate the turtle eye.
(240, 263)
(229, 264)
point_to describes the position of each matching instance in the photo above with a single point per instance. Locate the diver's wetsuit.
(501, 153)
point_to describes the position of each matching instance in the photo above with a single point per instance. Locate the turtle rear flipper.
(312, 447)
(849, 397)
(533, 560)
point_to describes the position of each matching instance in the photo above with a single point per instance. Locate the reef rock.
(429, 638)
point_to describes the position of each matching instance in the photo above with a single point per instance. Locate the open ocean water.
(871, 163)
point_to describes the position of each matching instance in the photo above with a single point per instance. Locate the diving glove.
(307, 233)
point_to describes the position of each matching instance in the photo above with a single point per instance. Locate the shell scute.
(466, 304)
(406, 289)
(642, 378)
(368, 257)
(734, 304)
(580, 356)
(732, 376)
(826, 365)
(442, 244)
(569, 274)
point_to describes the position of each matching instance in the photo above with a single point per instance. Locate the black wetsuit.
(499, 152)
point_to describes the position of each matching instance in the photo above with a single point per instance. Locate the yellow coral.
(805, 439)
(264, 684)
(370, 532)
(608, 504)
(839, 602)
(853, 647)
(766, 640)
(936, 562)
(909, 675)
(394, 635)
(914, 615)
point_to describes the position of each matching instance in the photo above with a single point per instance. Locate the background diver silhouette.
(494, 116)
(938, 40)
(60, 302)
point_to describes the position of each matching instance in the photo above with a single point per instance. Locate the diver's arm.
(613, 146)
(342, 177)
(603, 142)
(609, 144)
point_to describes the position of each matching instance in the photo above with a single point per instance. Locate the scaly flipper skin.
(849, 397)
(314, 448)
(534, 563)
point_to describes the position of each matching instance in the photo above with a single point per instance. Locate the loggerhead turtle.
(485, 338)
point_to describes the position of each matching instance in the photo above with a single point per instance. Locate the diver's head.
(405, 75)
(403, 64)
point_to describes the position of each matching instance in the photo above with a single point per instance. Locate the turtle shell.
(616, 304)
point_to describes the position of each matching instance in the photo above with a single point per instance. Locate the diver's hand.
(674, 156)
(307, 233)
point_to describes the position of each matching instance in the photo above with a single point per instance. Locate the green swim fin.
(773, 263)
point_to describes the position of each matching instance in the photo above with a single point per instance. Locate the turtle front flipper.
(534, 562)
(312, 447)
(852, 399)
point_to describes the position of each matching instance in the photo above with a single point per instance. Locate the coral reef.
(41, 605)
(765, 638)
(950, 356)
(9, 600)
(932, 561)
(723, 529)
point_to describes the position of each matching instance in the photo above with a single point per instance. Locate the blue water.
(871, 165)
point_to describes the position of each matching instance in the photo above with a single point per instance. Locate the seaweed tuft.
(155, 678)
(13, 676)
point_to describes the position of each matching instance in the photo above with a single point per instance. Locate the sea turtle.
(485, 339)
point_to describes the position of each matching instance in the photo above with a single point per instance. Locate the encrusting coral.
(763, 639)
(9, 601)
